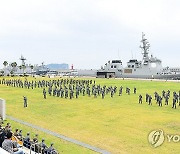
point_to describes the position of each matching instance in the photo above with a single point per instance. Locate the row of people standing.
(94, 90)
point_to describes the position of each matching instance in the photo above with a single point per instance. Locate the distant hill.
(58, 66)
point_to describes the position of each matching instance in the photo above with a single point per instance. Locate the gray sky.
(88, 33)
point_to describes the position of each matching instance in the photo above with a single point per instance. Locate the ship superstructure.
(148, 67)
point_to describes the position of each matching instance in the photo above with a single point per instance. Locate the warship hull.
(114, 74)
(167, 76)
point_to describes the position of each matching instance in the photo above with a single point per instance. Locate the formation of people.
(74, 88)
(67, 88)
(12, 142)
(159, 98)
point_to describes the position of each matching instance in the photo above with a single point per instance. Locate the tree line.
(13, 68)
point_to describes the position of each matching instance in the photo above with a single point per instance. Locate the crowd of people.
(13, 142)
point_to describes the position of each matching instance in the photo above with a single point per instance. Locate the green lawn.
(118, 124)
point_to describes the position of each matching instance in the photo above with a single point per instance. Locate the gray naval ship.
(149, 67)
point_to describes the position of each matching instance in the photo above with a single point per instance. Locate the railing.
(35, 148)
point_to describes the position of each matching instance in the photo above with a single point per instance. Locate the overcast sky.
(88, 33)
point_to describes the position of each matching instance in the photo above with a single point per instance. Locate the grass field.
(118, 124)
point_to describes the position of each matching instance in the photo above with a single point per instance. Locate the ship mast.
(145, 47)
(22, 59)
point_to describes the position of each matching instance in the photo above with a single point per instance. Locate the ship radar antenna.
(22, 59)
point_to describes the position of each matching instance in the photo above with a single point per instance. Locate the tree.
(11, 72)
(5, 63)
(2, 72)
(13, 65)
